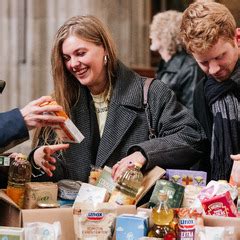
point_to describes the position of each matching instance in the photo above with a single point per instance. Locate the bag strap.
(147, 83)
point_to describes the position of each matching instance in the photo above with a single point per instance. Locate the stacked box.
(187, 177)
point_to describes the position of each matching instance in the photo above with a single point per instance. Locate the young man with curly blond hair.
(208, 31)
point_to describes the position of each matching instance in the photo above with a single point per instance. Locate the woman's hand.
(43, 159)
(120, 167)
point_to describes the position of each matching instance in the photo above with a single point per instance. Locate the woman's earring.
(105, 60)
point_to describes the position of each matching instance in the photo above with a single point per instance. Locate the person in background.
(15, 124)
(104, 99)
(208, 31)
(176, 68)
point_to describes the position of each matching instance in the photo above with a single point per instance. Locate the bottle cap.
(163, 195)
(138, 164)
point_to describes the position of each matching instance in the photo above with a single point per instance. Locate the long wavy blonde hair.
(66, 87)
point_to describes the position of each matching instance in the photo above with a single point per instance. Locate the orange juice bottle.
(19, 173)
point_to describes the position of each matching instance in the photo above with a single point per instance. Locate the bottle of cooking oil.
(162, 216)
(128, 186)
(19, 173)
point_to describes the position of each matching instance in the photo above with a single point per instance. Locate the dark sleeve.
(38, 175)
(13, 129)
(201, 109)
(180, 139)
(188, 79)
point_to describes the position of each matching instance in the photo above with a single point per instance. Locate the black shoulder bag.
(147, 83)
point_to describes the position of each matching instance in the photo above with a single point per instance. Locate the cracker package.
(66, 131)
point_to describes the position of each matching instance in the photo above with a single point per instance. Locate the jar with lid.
(20, 171)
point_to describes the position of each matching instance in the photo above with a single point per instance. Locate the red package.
(220, 205)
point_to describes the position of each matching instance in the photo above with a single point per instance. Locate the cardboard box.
(12, 216)
(215, 221)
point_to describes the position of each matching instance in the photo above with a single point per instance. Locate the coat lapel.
(125, 100)
(121, 118)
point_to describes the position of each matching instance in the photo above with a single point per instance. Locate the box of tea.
(187, 177)
(174, 191)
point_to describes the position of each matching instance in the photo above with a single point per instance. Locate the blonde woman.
(176, 68)
(104, 99)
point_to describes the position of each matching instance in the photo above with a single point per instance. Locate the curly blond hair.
(203, 23)
(165, 27)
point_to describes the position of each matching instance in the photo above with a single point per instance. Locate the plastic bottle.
(128, 186)
(162, 216)
(19, 173)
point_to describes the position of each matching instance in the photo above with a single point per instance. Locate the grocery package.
(220, 205)
(36, 192)
(68, 189)
(91, 194)
(94, 174)
(174, 191)
(94, 221)
(42, 231)
(188, 221)
(190, 195)
(11, 233)
(105, 180)
(4, 161)
(217, 198)
(131, 226)
(186, 177)
(66, 131)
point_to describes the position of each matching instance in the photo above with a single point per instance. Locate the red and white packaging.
(220, 205)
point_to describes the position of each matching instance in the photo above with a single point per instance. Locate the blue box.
(129, 226)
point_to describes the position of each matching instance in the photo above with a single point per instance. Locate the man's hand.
(34, 117)
(120, 167)
(235, 157)
(43, 159)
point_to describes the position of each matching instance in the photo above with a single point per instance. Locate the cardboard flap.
(5, 198)
(10, 212)
(149, 180)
